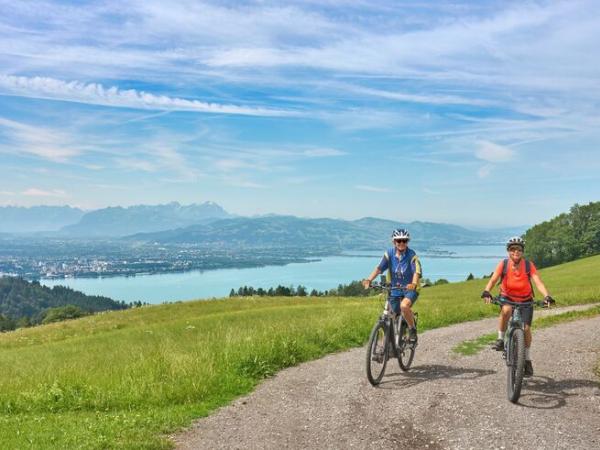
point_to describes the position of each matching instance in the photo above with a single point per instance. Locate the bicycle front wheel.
(405, 350)
(516, 365)
(377, 353)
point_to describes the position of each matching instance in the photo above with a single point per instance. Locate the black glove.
(486, 294)
(548, 300)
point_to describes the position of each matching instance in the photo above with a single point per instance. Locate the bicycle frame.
(394, 340)
(515, 322)
(388, 317)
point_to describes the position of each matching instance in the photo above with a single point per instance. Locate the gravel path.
(446, 401)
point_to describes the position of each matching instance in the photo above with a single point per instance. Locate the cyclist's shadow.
(547, 393)
(431, 372)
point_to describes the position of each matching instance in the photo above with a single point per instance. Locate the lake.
(453, 263)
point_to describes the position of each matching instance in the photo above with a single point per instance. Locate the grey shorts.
(526, 313)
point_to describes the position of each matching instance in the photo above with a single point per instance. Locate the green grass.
(125, 379)
(474, 346)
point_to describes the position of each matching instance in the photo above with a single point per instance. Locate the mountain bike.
(389, 336)
(514, 346)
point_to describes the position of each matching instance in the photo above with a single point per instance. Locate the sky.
(481, 113)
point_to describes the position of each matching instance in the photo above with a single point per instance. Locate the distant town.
(67, 258)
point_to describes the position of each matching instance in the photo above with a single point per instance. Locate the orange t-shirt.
(515, 285)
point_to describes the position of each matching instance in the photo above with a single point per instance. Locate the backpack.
(527, 271)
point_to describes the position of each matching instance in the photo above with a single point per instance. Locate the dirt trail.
(446, 401)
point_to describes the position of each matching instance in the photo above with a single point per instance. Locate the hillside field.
(125, 379)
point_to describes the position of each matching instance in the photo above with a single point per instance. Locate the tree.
(301, 291)
(232, 293)
(62, 313)
(566, 237)
(470, 277)
(24, 302)
(24, 322)
(6, 323)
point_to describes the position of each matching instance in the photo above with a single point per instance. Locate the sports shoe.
(412, 336)
(528, 372)
(498, 345)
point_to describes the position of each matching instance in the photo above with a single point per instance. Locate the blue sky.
(482, 113)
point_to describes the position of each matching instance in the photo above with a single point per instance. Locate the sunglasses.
(400, 241)
(514, 249)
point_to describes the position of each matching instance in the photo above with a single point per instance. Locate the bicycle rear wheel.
(377, 353)
(405, 350)
(516, 364)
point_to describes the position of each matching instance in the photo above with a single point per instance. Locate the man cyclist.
(516, 274)
(403, 272)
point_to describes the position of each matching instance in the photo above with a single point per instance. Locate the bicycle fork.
(507, 352)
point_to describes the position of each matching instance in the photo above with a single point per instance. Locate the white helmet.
(400, 233)
(516, 240)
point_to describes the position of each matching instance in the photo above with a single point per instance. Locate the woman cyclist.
(516, 274)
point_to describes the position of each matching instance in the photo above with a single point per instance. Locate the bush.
(62, 313)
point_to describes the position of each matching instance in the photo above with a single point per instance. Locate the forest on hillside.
(24, 303)
(567, 237)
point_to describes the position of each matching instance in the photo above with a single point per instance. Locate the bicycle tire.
(516, 366)
(377, 353)
(404, 351)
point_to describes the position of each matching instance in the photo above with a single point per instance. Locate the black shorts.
(526, 313)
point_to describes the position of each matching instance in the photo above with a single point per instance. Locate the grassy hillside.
(122, 379)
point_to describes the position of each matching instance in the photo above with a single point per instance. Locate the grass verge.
(127, 379)
(474, 346)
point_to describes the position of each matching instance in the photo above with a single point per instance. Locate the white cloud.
(243, 183)
(494, 153)
(172, 159)
(364, 187)
(35, 192)
(7, 193)
(43, 142)
(322, 152)
(97, 94)
(484, 171)
(465, 54)
(136, 164)
(431, 99)
(230, 165)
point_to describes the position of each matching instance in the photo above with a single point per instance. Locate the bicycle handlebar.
(499, 301)
(386, 286)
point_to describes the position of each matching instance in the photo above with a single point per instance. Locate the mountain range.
(319, 234)
(106, 222)
(18, 219)
(118, 221)
(208, 224)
